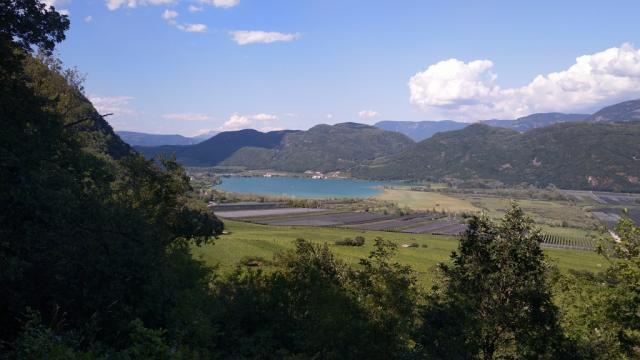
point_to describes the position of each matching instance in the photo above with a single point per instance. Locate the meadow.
(247, 241)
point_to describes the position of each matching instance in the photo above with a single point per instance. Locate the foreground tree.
(94, 239)
(314, 306)
(495, 301)
(601, 312)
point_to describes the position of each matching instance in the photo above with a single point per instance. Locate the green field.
(427, 200)
(252, 240)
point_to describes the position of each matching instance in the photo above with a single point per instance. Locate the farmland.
(247, 240)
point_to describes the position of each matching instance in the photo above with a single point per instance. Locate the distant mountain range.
(421, 130)
(143, 139)
(218, 148)
(599, 151)
(578, 155)
(323, 148)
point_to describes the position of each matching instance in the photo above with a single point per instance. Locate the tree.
(495, 301)
(601, 312)
(27, 23)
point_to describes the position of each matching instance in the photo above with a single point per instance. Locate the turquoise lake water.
(302, 187)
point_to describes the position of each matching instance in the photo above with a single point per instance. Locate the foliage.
(357, 241)
(315, 306)
(92, 236)
(495, 301)
(602, 312)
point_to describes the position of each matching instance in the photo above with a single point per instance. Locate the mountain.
(142, 139)
(321, 148)
(324, 148)
(420, 130)
(577, 155)
(624, 111)
(535, 121)
(213, 151)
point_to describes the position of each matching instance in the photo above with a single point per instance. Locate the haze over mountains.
(143, 139)
(421, 130)
(599, 151)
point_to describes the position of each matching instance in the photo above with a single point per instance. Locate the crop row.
(582, 243)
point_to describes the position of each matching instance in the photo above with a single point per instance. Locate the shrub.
(358, 241)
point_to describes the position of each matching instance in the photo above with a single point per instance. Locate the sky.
(192, 66)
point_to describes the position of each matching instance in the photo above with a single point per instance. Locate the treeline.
(96, 264)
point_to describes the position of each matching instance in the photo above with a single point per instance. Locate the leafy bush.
(357, 241)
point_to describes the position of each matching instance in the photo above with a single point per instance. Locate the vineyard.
(568, 242)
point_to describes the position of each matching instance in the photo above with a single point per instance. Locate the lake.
(301, 187)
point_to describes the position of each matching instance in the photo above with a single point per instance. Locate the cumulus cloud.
(367, 114)
(257, 121)
(469, 91)
(221, 3)
(187, 117)
(88, 19)
(244, 37)
(116, 105)
(192, 8)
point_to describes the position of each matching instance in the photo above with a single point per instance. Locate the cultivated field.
(255, 241)
(432, 223)
(423, 200)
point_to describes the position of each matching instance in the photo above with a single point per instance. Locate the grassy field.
(548, 212)
(252, 240)
(421, 200)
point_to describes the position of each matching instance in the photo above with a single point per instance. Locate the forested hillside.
(603, 156)
(323, 148)
(621, 112)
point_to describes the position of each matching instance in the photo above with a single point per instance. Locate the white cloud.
(117, 105)
(192, 8)
(221, 3)
(198, 28)
(169, 14)
(329, 116)
(88, 19)
(367, 114)
(238, 122)
(64, 12)
(264, 117)
(187, 117)
(243, 37)
(469, 91)
(116, 4)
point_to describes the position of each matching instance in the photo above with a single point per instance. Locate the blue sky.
(185, 67)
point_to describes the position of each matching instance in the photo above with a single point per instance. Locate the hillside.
(535, 121)
(579, 155)
(324, 148)
(143, 139)
(624, 111)
(218, 148)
